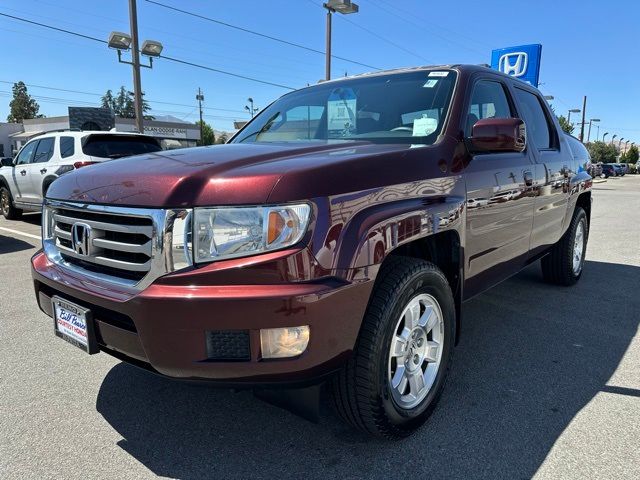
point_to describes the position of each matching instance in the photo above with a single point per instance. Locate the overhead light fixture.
(151, 48)
(119, 40)
(342, 6)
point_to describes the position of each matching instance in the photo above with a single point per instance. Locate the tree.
(632, 155)
(222, 138)
(208, 136)
(602, 152)
(123, 104)
(565, 125)
(22, 107)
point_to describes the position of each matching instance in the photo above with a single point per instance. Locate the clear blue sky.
(589, 48)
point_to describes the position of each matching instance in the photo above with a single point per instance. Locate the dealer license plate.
(74, 324)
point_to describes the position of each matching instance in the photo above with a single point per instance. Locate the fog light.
(284, 342)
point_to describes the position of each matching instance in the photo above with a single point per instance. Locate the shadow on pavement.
(10, 244)
(530, 358)
(32, 218)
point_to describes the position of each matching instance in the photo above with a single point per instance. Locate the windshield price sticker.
(438, 74)
(341, 111)
(424, 126)
(430, 83)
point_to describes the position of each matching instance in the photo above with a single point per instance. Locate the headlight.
(221, 233)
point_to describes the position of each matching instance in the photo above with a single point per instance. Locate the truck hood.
(232, 174)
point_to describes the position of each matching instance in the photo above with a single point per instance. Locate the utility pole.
(200, 98)
(135, 57)
(584, 110)
(327, 61)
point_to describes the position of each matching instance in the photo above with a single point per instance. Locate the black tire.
(361, 390)
(557, 266)
(7, 209)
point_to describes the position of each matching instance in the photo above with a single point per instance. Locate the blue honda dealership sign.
(522, 62)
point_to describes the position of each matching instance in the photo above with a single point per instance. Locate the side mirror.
(498, 135)
(7, 161)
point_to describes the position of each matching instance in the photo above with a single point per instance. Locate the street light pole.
(341, 6)
(572, 110)
(594, 120)
(584, 111)
(613, 138)
(135, 61)
(200, 98)
(327, 58)
(604, 135)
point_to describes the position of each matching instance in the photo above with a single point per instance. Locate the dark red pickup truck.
(333, 239)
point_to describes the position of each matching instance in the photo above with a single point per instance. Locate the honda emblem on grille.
(81, 238)
(514, 63)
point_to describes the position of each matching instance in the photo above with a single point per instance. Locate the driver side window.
(488, 100)
(26, 154)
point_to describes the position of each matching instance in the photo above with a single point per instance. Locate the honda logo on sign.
(514, 64)
(81, 238)
(521, 62)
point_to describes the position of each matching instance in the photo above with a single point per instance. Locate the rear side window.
(26, 154)
(116, 146)
(44, 150)
(538, 129)
(488, 100)
(578, 150)
(67, 147)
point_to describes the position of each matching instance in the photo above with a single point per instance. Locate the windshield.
(396, 108)
(116, 146)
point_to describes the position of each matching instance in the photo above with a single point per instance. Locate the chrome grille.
(118, 243)
(128, 246)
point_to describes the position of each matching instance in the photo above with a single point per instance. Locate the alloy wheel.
(578, 248)
(416, 351)
(4, 202)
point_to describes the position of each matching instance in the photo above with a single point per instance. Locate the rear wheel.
(563, 265)
(7, 209)
(397, 372)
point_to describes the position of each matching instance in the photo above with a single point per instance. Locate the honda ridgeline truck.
(332, 240)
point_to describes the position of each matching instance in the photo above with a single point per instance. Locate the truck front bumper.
(166, 327)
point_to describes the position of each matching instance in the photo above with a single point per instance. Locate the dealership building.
(172, 134)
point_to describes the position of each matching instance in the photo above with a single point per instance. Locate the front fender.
(360, 229)
(579, 184)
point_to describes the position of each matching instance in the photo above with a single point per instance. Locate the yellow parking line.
(17, 232)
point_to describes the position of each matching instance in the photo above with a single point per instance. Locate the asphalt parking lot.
(546, 383)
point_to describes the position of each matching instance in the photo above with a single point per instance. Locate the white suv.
(25, 179)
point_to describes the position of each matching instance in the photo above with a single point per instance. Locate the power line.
(50, 27)
(171, 59)
(158, 102)
(457, 33)
(211, 69)
(253, 32)
(70, 102)
(375, 34)
(392, 11)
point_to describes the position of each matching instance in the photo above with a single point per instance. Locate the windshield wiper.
(265, 128)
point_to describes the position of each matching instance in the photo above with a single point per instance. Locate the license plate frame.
(70, 328)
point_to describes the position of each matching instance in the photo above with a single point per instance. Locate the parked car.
(621, 169)
(582, 157)
(24, 181)
(329, 240)
(595, 170)
(609, 170)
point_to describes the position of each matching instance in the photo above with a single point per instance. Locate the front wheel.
(397, 372)
(563, 265)
(7, 209)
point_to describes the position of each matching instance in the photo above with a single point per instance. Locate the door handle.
(43, 171)
(23, 172)
(528, 178)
